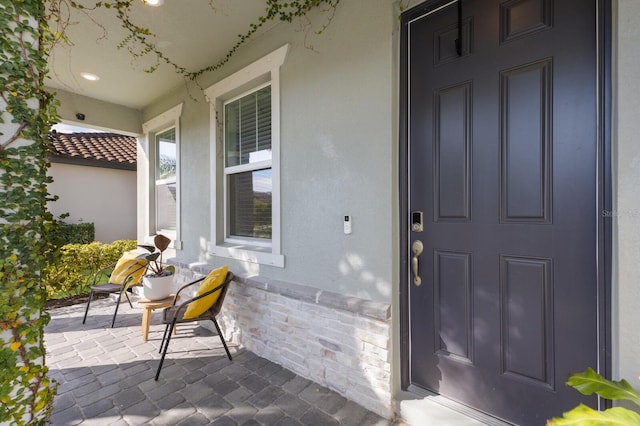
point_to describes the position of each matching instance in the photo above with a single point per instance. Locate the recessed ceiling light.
(153, 2)
(89, 76)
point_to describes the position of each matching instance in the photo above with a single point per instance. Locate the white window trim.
(265, 69)
(242, 168)
(166, 120)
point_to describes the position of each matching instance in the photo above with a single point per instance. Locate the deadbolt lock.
(417, 221)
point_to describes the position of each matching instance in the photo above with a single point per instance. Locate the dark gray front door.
(502, 148)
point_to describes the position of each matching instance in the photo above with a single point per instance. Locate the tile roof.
(94, 149)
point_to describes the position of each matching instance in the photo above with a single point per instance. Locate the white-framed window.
(166, 188)
(245, 185)
(162, 148)
(248, 167)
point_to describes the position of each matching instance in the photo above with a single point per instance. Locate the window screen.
(247, 134)
(166, 166)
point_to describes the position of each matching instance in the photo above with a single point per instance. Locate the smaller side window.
(166, 190)
(159, 178)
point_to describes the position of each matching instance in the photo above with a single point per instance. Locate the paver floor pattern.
(106, 377)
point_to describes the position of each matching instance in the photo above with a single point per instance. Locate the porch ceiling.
(192, 33)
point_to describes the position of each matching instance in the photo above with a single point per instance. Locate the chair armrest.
(176, 297)
(101, 271)
(183, 305)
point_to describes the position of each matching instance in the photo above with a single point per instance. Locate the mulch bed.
(71, 300)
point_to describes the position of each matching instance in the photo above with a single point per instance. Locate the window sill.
(247, 253)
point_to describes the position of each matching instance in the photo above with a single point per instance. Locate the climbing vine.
(140, 41)
(26, 112)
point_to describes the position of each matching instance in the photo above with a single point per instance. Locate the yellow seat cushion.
(128, 265)
(213, 280)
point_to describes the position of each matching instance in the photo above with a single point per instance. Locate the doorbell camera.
(347, 224)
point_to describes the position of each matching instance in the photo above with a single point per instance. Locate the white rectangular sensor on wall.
(347, 224)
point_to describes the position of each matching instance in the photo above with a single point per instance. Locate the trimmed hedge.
(75, 233)
(72, 272)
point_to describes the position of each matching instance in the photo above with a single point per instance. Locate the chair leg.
(164, 337)
(221, 338)
(113, 321)
(166, 346)
(128, 299)
(87, 308)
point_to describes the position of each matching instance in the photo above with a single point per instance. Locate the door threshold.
(418, 407)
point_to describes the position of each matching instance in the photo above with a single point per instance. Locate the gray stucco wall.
(330, 166)
(626, 221)
(98, 114)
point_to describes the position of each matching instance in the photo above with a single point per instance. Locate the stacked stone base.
(338, 341)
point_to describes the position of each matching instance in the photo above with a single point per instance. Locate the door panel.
(452, 287)
(525, 109)
(452, 158)
(502, 161)
(527, 319)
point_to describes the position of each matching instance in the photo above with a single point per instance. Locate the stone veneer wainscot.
(337, 341)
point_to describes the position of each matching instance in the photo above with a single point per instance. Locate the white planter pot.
(157, 288)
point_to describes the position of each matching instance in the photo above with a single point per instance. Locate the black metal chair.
(124, 271)
(175, 314)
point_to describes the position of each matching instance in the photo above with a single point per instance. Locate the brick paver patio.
(106, 377)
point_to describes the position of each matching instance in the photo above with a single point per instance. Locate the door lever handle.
(417, 249)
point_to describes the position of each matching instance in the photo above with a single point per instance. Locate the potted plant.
(158, 281)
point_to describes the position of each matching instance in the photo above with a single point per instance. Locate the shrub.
(72, 272)
(75, 233)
